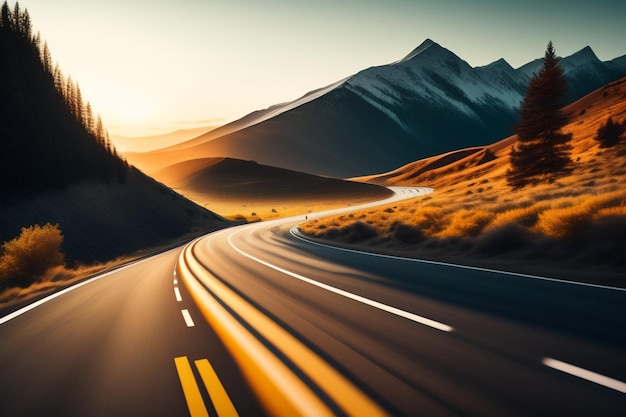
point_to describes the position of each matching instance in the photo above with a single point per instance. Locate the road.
(390, 335)
(108, 348)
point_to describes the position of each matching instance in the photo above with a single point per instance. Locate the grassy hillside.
(574, 226)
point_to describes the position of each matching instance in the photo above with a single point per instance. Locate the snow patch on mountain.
(434, 75)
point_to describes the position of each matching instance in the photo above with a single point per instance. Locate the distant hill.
(154, 142)
(427, 103)
(236, 187)
(58, 165)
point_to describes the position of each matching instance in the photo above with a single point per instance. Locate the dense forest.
(49, 136)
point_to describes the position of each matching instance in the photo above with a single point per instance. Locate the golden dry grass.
(472, 199)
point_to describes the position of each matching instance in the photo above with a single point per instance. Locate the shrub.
(430, 219)
(609, 212)
(407, 234)
(358, 232)
(31, 254)
(524, 216)
(466, 223)
(564, 222)
(506, 238)
(609, 134)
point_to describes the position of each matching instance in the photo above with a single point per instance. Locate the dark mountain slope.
(44, 139)
(352, 133)
(57, 166)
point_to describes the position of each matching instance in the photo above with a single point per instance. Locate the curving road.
(389, 335)
(423, 338)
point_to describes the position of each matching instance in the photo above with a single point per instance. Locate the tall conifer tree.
(543, 150)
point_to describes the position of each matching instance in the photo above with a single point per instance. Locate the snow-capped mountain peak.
(427, 103)
(415, 52)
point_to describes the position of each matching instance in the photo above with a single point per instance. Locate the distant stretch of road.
(257, 319)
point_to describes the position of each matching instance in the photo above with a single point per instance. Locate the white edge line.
(393, 310)
(52, 296)
(177, 294)
(585, 374)
(188, 321)
(295, 232)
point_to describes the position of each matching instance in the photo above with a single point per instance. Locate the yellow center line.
(279, 388)
(190, 388)
(221, 401)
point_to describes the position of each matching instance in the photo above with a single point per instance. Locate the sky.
(150, 67)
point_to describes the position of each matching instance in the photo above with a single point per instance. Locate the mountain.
(572, 227)
(427, 103)
(58, 166)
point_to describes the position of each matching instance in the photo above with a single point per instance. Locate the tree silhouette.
(610, 133)
(6, 21)
(542, 152)
(48, 136)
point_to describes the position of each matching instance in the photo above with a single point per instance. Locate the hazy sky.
(153, 66)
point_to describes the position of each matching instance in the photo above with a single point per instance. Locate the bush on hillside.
(31, 254)
(466, 223)
(610, 133)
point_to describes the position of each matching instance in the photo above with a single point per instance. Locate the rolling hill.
(425, 104)
(246, 189)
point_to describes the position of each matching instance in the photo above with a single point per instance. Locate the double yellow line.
(221, 401)
(288, 378)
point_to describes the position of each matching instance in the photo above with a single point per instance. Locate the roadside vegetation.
(33, 263)
(575, 222)
(30, 255)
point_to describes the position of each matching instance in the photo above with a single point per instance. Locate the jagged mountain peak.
(500, 64)
(585, 56)
(431, 54)
(586, 53)
(429, 102)
(421, 48)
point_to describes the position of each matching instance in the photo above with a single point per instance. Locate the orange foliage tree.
(31, 254)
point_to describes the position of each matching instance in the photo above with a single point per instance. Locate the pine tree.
(78, 104)
(542, 153)
(88, 119)
(47, 131)
(99, 133)
(59, 79)
(46, 58)
(6, 21)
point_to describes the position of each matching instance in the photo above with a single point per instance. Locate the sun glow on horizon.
(144, 65)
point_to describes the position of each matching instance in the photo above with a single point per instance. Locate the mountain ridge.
(429, 102)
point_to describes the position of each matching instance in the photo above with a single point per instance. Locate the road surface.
(397, 336)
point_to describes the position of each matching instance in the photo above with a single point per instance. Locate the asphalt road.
(417, 338)
(108, 348)
(432, 339)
